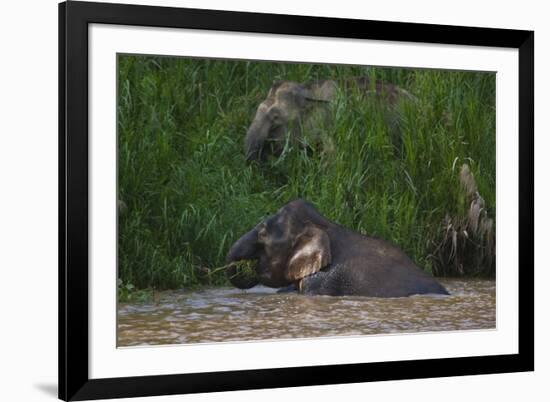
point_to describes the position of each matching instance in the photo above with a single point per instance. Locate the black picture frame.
(74, 381)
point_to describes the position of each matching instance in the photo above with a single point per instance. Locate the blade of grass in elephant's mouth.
(242, 268)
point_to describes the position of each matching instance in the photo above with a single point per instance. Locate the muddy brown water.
(223, 314)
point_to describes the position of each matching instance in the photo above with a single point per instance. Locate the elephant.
(298, 249)
(292, 109)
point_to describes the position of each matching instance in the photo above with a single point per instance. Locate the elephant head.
(285, 112)
(286, 247)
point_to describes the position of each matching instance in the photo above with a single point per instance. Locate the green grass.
(189, 193)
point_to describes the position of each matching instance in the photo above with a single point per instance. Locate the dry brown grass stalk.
(467, 243)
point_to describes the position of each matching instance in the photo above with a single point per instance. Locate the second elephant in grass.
(299, 247)
(298, 113)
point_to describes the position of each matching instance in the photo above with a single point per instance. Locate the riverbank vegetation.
(186, 194)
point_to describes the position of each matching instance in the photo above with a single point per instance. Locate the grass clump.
(128, 293)
(188, 194)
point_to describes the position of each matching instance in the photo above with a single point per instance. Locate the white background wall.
(28, 198)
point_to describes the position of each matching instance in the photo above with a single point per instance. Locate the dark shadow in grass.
(49, 389)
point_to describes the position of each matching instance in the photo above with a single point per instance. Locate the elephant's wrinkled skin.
(299, 247)
(292, 109)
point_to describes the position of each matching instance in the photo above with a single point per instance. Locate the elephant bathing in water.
(297, 247)
(292, 109)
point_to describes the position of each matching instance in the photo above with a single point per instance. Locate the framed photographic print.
(257, 200)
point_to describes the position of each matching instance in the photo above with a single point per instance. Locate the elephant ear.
(311, 253)
(320, 91)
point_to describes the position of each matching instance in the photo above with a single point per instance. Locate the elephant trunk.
(244, 249)
(255, 139)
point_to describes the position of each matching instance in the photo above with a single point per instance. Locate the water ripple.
(218, 315)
